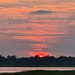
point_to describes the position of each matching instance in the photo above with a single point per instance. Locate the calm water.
(20, 69)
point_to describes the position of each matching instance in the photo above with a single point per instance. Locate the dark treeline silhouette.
(47, 61)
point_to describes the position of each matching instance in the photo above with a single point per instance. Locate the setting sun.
(42, 54)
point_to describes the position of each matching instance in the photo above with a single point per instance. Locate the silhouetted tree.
(13, 61)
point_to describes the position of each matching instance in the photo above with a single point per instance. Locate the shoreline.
(42, 72)
(24, 69)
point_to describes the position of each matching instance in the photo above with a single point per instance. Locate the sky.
(33, 27)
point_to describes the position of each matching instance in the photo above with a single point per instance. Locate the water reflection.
(20, 69)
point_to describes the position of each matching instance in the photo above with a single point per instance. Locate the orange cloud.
(40, 54)
(39, 47)
(7, 1)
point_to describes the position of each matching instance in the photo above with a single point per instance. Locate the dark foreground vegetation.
(48, 61)
(43, 73)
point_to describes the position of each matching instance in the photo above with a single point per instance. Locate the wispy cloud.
(41, 12)
(34, 25)
(35, 3)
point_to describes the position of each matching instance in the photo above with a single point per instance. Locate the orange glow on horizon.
(39, 54)
(42, 54)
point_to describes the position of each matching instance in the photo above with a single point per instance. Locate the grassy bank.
(43, 73)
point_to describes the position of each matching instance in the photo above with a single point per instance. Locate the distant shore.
(47, 61)
(42, 72)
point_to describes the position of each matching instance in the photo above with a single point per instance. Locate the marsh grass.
(42, 72)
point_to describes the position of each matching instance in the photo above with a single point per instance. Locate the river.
(20, 69)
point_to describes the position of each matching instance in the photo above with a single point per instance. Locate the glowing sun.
(42, 54)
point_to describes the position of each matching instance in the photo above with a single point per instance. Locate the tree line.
(47, 61)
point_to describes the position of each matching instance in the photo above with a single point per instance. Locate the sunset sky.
(33, 27)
